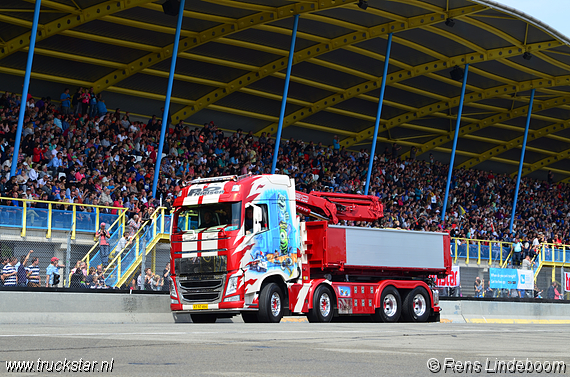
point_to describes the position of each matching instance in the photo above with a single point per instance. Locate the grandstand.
(224, 114)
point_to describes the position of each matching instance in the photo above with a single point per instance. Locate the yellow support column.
(74, 222)
(490, 253)
(456, 247)
(24, 215)
(48, 234)
(553, 273)
(96, 218)
(467, 252)
(154, 258)
(162, 221)
(123, 221)
(478, 252)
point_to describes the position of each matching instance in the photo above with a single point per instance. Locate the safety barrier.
(89, 307)
(43, 215)
(499, 311)
(480, 250)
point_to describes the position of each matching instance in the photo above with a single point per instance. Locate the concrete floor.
(285, 349)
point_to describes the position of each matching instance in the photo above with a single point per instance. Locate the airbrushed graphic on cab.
(274, 250)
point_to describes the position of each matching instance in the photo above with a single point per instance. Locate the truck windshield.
(215, 216)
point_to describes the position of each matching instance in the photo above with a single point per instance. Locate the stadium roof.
(233, 55)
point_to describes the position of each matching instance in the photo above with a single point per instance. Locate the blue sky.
(554, 13)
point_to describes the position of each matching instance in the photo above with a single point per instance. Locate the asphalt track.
(287, 349)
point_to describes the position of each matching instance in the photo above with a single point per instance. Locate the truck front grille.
(202, 288)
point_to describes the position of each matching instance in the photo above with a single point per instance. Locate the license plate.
(200, 306)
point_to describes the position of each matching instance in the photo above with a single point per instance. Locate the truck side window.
(264, 217)
(249, 219)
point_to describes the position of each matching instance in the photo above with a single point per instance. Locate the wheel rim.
(390, 305)
(325, 305)
(419, 305)
(275, 304)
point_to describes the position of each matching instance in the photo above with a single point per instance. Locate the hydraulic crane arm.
(333, 207)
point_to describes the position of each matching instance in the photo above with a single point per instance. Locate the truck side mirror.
(257, 218)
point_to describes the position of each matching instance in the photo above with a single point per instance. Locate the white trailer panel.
(394, 248)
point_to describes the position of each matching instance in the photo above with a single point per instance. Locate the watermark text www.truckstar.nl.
(495, 365)
(59, 366)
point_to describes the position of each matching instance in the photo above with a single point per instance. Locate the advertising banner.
(567, 281)
(508, 278)
(525, 279)
(451, 280)
(503, 278)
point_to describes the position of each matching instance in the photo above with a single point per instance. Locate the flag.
(461, 210)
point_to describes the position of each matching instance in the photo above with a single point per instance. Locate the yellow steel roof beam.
(391, 79)
(68, 22)
(316, 50)
(489, 121)
(211, 34)
(545, 162)
(58, 6)
(514, 143)
(453, 102)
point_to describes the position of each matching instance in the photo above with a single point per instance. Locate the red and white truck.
(238, 246)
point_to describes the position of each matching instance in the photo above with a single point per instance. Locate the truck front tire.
(270, 304)
(417, 305)
(249, 317)
(322, 305)
(390, 306)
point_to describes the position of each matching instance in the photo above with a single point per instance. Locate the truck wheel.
(204, 318)
(270, 304)
(417, 305)
(322, 305)
(249, 317)
(390, 306)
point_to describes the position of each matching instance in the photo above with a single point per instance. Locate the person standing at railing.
(517, 252)
(34, 276)
(166, 278)
(9, 273)
(553, 292)
(23, 271)
(133, 225)
(52, 273)
(103, 236)
(478, 287)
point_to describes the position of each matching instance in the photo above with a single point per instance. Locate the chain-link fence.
(36, 257)
(65, 263)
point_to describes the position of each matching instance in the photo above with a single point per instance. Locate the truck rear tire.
(417, 305)
(390, 306)
(204, 318)
(249, 317)
(270, 304)
(322, 305)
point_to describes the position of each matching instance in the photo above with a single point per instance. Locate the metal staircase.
(128, 260)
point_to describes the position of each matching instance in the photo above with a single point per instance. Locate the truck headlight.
(232, 285)
(172, 288)
(435, 294)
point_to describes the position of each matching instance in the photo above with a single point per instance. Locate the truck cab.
(230, 235)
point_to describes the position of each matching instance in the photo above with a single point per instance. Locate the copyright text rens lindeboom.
(450, 365)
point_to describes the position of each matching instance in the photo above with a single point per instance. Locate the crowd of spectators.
(77, 151)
